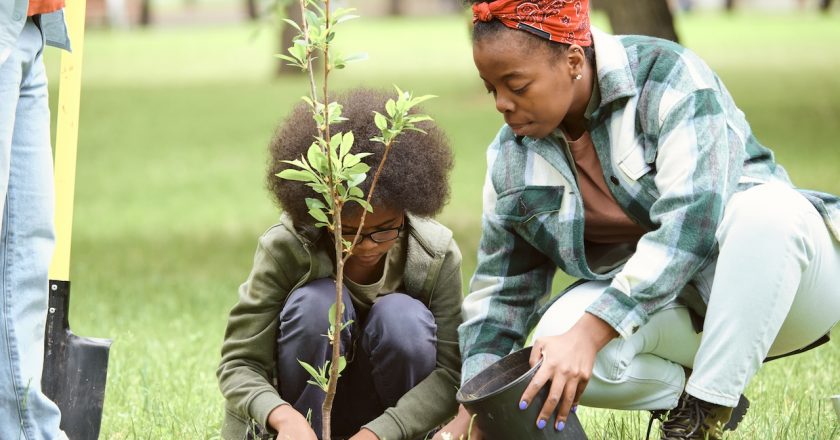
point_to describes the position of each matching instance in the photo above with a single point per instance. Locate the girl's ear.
(576, 60)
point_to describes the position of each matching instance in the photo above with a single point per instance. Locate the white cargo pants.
(775, 288)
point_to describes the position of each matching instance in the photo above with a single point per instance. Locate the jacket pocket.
(637, 161)
(524, 203)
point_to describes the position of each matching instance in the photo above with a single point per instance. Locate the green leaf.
(356, 57)
(359, 168)
(380, 121)
(331, 314)
(342, 363)
(390, 107)
(350, 160)
(297, 175)
(365, 205)
(346, 143)
(356, 192)
(298, 51)
(420, 99)
(320, 188)
(314, 204)
(309, 369)
(292, 61)
(293, 24)
(418, 118)
(295, 162)
(335, 142)
(319, 215)
(356, 180)
(316, 158)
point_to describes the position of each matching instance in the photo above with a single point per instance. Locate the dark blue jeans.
(389, 351)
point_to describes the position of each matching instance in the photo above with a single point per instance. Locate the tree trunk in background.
(730, 5)
(395, 7)
(251, 9)
(825, 5)
(286, 36)
(640, 17)
(145, 13)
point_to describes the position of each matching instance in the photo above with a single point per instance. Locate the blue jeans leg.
(399, 340)
(303, 324)
(26, 241)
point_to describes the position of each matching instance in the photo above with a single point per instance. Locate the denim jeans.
(774, 289)
(389, 352)
(26, 190)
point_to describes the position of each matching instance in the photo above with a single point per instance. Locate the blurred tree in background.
(639, 17)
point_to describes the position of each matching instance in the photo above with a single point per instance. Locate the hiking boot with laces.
(696, 419)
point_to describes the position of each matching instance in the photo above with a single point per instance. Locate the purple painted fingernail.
(523, 404)
(540, 424)
(560, 425)
(574, 409)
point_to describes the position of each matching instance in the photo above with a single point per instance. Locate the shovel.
(75, 368)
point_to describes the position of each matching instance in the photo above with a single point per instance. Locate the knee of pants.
(402, 325)
(307, 307)
(768, 210)
(612, 361)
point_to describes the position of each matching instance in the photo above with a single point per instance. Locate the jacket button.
(17, 16)
(614, 180)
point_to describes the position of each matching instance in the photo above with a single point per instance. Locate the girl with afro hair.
(402, 294)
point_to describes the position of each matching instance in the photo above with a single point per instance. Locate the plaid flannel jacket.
(673, 147)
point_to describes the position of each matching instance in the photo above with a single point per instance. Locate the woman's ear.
(576, 60)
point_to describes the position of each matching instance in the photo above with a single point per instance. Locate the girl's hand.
(458, 428)
(290, 424)
(567, 363)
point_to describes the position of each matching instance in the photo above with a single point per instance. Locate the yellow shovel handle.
(67, 137)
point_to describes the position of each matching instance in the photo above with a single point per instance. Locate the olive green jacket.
(286, 259)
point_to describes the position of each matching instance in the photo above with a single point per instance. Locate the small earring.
(578, 77)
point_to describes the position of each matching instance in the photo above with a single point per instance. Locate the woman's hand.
(290, 424)
(365, 434)
(459, 427)
(567, 363)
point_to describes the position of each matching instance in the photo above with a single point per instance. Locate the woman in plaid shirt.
(624, 162)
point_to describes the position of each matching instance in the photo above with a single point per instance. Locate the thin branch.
(369, 197)
(309, 64)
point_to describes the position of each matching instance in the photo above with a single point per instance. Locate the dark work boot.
(696, 419)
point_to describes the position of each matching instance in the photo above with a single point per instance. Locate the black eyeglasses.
(380, 236)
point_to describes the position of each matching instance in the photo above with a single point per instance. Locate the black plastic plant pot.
(493, 396)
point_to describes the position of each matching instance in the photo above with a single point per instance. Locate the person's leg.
(26, 197)
(774, 290)
(399, 339)
(303, 323)
(643, 372)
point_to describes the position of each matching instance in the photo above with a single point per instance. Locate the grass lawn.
(170, 191)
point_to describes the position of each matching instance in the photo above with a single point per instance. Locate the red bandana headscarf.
(563, 21)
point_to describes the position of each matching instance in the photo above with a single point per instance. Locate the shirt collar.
(615, 77)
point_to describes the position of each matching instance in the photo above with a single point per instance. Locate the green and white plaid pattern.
(673, 147)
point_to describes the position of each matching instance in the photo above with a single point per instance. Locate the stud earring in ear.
(579, 76)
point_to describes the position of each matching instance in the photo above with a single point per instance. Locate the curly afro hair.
(415, 177)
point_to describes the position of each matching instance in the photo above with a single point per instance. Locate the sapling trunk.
(330, 178)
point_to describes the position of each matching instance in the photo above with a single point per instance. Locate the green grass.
(170, 195)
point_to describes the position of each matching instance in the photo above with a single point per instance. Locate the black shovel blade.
(75, 369)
